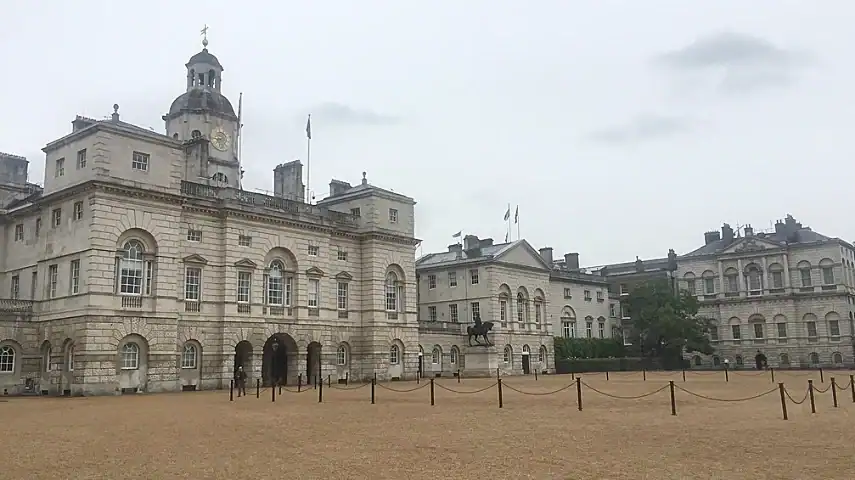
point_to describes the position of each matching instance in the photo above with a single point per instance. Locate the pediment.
(195, 258)
(344, 276)
(523, 254)
(751, 244)
(315, 272)
(246, 263)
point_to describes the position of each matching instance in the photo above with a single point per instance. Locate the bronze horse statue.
(480, 330)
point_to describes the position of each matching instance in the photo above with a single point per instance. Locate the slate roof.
(802, 235)
(486, 253)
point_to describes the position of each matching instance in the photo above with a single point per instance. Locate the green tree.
(666, 324)
(588, 348)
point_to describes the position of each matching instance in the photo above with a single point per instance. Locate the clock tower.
(204, 119)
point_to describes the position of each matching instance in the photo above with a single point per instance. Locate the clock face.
(220, 139)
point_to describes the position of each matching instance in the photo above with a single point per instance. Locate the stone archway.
(313, 362)
(760, 360)
(243, 358)
(278, 359)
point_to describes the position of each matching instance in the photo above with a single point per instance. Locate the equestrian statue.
(480, 329)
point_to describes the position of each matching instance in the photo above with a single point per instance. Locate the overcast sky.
(620, 128)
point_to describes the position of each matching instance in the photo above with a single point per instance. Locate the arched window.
(814, 359)
(739, 361)
(46, 358)
(188, 356)
(508, 354)
(134, 272)
(785, 360)
(195, 134)
(435, 356)
(754, 279)
(837, 358)
(69, 358)
(130, 356)
(392, 299)
(394, 355)
(521, 307)
(542, 354)
(696, 360)
(453, 357)
(341, 356)
(805, 273)
(716, 360)
(220, 177)
(279, 285)
(7, 359)
(526, 349)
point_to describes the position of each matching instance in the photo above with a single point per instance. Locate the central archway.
(243, 357)
(278, 359)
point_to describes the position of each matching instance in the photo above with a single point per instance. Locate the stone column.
(722, 286)
(787, 281)
(740, 275)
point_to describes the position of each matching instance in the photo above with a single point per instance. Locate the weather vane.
(204, 33)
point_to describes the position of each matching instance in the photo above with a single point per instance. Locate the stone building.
(784, 296)
(144, 266)
(522, 291)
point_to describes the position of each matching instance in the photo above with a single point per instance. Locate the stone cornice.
(134, 132)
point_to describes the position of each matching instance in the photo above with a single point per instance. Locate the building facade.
(144, 266)
(528, 297)
(784, 297)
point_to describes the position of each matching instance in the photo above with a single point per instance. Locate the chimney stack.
(472, 246)
(727, 233)
(710, 237)
(749, 231)
(546, 255)
(571, 261)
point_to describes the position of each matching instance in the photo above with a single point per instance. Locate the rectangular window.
(600, 297)
(587, 295)
(314, 250)
(19, 232)
(566, 330)
(736, 332)
(709, 286)
(691, 287)
(393, 215)
(714, 333)
(38, 226)
(473, 277)
(452, 279)
(314, 292)
(758, 331)
(503, 311)
(341, 296)
(782, 330)
(777, 279)
(149, 276)
(56, 217)
(355, 212)
(834, 328)
(193, 284)
(432, 313)
(589, 329)
(538, 315)
(811, 329)
(828, 275)
(60, 168)
(612, 310)
(806, 279)
(568, 293)
(75, 277)
(53, 273)
(194, 235)
(624, 289)
(81, 158)
(77, 212)
(244, 240)
(140, 161)
(602, 330)
(34, 282)
(476, 310)
(16, 287)
(244, 286)
(732, 284)
(431, 281)
(452, 313)
(342, 255)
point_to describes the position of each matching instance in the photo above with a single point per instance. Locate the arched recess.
(132, 363)
(190, 364)
(522, 315)
(396, 359)
(543, 357)
(280, 281)
(135, 265)
(504, 302)
(508, 356)
(279, 358)
(696, 361)
(784, 360)
(837, 359)
(394, 281)
(342, 362)
(314, 368)
(539, 307)
(243, 358)
(436, 359)
(813, 359)
(46, 362)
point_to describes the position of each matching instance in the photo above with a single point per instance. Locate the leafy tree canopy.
(666, 324)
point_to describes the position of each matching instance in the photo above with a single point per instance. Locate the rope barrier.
(803, 400)
(819, 390)
(539, 393)
(620, 397)
(296, 391)
(750, 374)
(403, 391)
(848, 384)
(466, 392)
(726, 399)
(336, 387)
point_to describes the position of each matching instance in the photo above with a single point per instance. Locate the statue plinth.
(481, 361)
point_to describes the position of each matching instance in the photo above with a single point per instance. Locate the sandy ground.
(203, 435)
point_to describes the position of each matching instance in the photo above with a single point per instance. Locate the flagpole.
(509, 221)
(308, 158)
(517, 219)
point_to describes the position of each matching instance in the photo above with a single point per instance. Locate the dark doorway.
(525, 364)
(243, 357)
(760, 361)
(274, 360)
(313, 362)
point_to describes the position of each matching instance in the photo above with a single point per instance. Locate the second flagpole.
(309, 159)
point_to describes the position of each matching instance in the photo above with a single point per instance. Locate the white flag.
(457, 235)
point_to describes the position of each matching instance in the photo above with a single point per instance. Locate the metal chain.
(787, 392)
(296, 391)
(336, 387)
(726, 399)
(848, 384)
(540, 393)
(819, 390)
(464, 392)
(402, 391)
(620, 397)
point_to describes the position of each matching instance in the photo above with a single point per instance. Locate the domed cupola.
(204, 83)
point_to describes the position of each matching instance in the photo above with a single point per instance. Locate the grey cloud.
(642, 128)
(332, 113)
(740, 63)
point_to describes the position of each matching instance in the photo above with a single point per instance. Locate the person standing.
(240, 380)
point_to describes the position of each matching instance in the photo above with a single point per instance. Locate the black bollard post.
(273, 393)
(498, 376)
(684, 374)
(673, 398)
(346, 378)
(280, 389)
(783, 400)
(418, 378)
(431, 393)
(316, 382)
(579, 392)
(773, 374)
(231, 390)
(812, 402)
(726, 375)
(607, 375)
(644, 374)
(299, 383)
(458, 375)
(257, 388)
(329, 380)
(499, 383)
(535, 374)
(852, 386)
(834, 392)
(375, 377)
(821, 376)
(321, 392)
(373, 382)
(572, 375)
